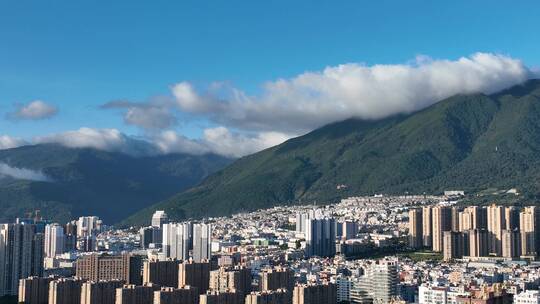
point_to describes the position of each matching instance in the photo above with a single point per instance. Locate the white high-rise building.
(527, 297)
(88, 225)
(321, 237)
(202, 241)
(177, 240)
(21, 255)
(54, 240)
(159, 218)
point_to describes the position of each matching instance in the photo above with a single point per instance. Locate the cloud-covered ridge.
(22, 173)
(313, 99)
(8, 142)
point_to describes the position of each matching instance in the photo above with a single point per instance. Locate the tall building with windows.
(427, 226)
(170, 295)
(34, 290)
(163, 273)
(321, 237)
(442, 221)
(202, 242)
(529, 230)
(134, 294)
(384, 281)
(102, 292)
(511, 243)
(415, 228)
(54, 240)
(88, 226)
(495, 225)
(95, 267)
(455, 245)
(324, 293)
(177, 240)
(65, 291)
(21, 255)
(159, 218)
(478, 242)
(276, 278)
(234, 278)
(195, 275)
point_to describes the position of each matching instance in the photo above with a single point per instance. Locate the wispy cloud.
(34, 110)
(22, 173)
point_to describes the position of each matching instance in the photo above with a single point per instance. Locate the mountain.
(469, 142)
(69, 182)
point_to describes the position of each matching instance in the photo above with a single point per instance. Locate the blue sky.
(78, 56)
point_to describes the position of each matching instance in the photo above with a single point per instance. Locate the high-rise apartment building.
(320, 237)
(511, 217)
(276, 278)
(177, 240)
(324, 293)
(65, 291)
(385, 281)
(455, 245)
(194, 274)
(159, 218)
(34, 290)
(202, 242)
(54, 240)
(96, 267)
(529, 230)
(21, 255)
(280, 296)
(222, 297)
(88, 225)
(478, 242)
(427, 226)
(234, 278)
(349, 229)
(415, 228)
(102, 292)
(163, 273)
(134, 294)
(442, 221)
(495, 225)
(170, 295)
(511, 243)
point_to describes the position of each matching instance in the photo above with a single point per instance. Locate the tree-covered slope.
(93, 182)
(469, 142)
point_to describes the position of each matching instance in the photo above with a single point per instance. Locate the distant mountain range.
(468, 142)
(64, 183)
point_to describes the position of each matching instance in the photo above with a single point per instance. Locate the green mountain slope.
(93, 182)
(469, 142)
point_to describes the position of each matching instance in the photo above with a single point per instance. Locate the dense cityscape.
(380, 249)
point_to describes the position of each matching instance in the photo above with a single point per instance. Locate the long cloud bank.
(313, 99)
(218, 140)
(245, 123)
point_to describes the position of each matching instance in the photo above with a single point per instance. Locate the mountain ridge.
(471, 142)
(86, 181)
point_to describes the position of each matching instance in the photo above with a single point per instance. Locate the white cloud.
(111, 140)
(154, 115)
(8, 142)
(224, 142)
(34, 110)
(21, 173)
(313, 99)
(218, 140)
